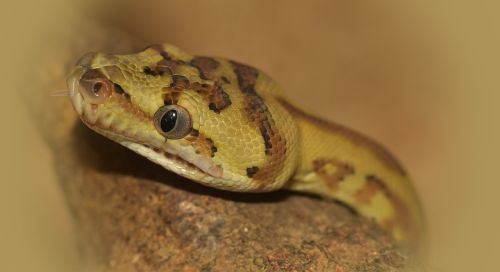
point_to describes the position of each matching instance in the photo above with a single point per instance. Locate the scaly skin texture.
(244, 134)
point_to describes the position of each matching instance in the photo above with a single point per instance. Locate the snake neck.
(339, 163)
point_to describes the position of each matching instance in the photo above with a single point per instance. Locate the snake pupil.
(168, 120)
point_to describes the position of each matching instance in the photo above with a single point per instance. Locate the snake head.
(196, 116)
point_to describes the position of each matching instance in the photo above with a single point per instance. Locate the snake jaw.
(174, 162)
(201, 162)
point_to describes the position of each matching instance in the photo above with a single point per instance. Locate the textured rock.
(132, 215)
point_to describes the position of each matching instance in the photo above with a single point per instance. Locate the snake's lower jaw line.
(200, 162)
(208, 167)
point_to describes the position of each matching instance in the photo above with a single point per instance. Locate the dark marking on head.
(166, 66)
(246, 75)
(212, 106)
(165, 55)
(225, 80)
(205, 65)
(179, 82)
(356, 138)
(267, 139)
(158, 70)
(217, 97)
(251, 171)
(160, 49)
(148, 71)
(257, 113)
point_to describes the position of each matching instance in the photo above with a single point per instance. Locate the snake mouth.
(176, 163)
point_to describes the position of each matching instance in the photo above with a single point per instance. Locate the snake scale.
(228, 125)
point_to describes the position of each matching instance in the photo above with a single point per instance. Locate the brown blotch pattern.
(246, 75)
(206, 66)
(372, 187)
(179, 82)
(332, 179)
(357, 138)
(402, 215)
(258, 113)
(166, 66)
(201, 144)
(157, 70)
(217, 97)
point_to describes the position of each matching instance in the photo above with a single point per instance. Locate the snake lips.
(228, 125)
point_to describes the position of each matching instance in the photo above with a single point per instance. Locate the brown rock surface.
(132, 215)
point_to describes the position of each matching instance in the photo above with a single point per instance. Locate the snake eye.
(172, 121)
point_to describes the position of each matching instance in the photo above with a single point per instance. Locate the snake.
(228, 125)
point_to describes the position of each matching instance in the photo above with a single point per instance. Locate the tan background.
(422, 78)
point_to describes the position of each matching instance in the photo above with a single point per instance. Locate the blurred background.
(421, 77)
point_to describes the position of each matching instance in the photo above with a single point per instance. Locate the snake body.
(228, 125)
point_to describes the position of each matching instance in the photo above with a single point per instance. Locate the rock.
(133, 215)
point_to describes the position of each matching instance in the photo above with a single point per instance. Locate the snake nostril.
(95, 87)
